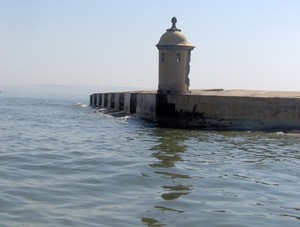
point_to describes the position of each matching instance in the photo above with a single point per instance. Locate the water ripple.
(62, 164)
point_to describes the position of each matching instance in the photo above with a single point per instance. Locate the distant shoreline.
(63, 89)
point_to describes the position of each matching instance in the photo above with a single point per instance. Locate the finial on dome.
(174, 21)
(174, 28)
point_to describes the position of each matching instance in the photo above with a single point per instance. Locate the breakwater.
(209, 109)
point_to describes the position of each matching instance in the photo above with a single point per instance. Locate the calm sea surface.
(62, 164)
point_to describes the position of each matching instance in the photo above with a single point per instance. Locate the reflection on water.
(216, 175)
(173, 175)
(175, 191)
(168, 154)
(162, 208)
(152, 222)
(173, 195)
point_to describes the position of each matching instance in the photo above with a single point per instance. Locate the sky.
(240, 44)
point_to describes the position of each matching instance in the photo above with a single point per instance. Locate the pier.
(175, 105)
(209, 109)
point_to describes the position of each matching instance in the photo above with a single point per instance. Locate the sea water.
(63, 163)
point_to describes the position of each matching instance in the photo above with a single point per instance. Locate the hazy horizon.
(249, 44)
(65, 89)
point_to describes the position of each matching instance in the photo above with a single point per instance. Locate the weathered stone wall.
(109, 101)
(229, 112)
(117, 102)
(102, 100)
(208, 111)
(172, 73)
(146, 106)
(127, 97)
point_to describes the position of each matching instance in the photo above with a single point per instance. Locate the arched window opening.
(177, 57)
(162, 57)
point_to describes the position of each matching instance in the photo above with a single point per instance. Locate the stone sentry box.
(174, 61)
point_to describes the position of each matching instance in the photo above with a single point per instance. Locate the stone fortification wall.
(209, 110)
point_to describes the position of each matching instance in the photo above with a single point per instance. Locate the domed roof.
(173, 37)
